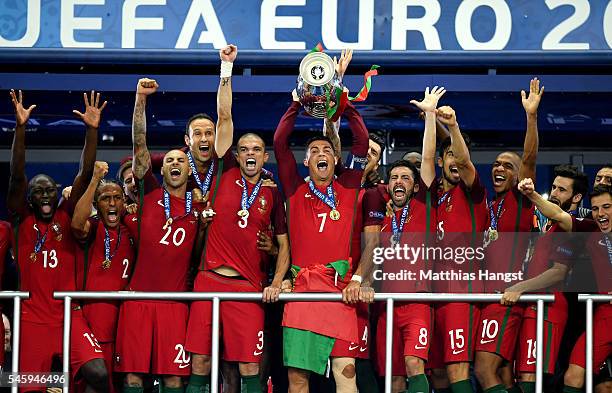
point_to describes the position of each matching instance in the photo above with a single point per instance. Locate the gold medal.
(33, 257)
(243, 213)
(334, 215)
(168, 223)
(493, 234)
(106, 264)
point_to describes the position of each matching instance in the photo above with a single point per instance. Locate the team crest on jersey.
(57, 231)
(263, 205)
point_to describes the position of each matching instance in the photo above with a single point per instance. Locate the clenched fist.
(146, 86)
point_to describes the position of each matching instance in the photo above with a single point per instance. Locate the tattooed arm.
(142, 158)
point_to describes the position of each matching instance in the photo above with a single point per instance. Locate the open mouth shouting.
(45, 207)
(454, 171)
(204, 149)
(499, 180)
(399, 192)
(251, 164)
(604, 224)
(322, 165)
(112, 215)
(175, 173)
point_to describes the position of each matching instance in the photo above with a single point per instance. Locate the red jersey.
(52, 268)
(231, 239)
(164, 255)
(507, 253)
(5, 244)
(601, 259)
(462, 219)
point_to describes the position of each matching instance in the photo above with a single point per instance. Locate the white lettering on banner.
(270, 22)
(503, 25)
(32, 28)
(329, 26)
(582, 9)
(607, 24)
(425, 24)
(214, 35)
(130, 23)
(69, 23)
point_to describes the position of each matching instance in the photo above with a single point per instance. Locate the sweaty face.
(110, 204)
(251, 155)
(175, 169)
(374, 151)
(604, 176)
(201, 139)
(129, 184)
(320, 160)
(401, 185)
(561, 192)
(602, 211)
(505, 172)
(449, 169)
(43, 196)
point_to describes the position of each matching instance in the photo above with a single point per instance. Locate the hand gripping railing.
(589, 299)
(17, 296)
(216, 297)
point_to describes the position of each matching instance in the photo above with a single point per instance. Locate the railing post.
(589, 346)
(214, 368)
(16, 333)
(66, 343)
(540, 346)
(389, 347)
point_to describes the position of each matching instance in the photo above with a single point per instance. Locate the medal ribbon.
(443, 198)
(167, 204)
(609, 247)
(327, 199)
(107, 255)
(40, 240)
(397, 230)
(194, 170)
(495, 216)
(247, 200)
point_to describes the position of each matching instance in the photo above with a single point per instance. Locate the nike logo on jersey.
(134, 219)
(486, 341)
(458, 352)
(307, 195)
(362, 349)
(159, 202)
(419, 347)
(182, 365)
(601, 243)
(257, 353)
(352, 347)
(530, 362)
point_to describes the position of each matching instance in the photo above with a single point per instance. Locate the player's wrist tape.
(226, 69)
(357, 277)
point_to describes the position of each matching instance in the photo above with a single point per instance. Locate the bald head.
(251, 136)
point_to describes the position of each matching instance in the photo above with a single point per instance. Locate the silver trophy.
(317, 84)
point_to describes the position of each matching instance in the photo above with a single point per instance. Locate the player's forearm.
(530, 149)
(547, 279)
(225, 125)
(466, 168)
(441, 131)
(82, 210)
(282, 260)
(331, 130)
(17, 182)
(552, 211)
(287, 166)
(141, 158)
(359, 130)
(88, 160)
(366, 262)
(428, 168)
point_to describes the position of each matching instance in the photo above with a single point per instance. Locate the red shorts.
(241, 323)
(102, 319)
(555, 318)
(151, 338)
(498, 329)
(361, 349)
(40, 343)
(412, 324)
(602, 339)
(455, 330)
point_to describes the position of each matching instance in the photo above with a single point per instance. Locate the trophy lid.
(317, 69)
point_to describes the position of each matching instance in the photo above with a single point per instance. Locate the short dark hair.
(580, 183)
(447, 142)
(601, 189)
(196, 117)
(379, 141)
(406, 164)
(106, 182)
(320, 138)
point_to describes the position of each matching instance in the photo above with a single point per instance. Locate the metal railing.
(216, 297)
(589, 299)
(16, 296)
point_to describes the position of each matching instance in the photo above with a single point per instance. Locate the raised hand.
(146, 86)
(532, 102)
(447, 116)
(430, 101)
(294, 95)
(93, 110)
(100, 170)
(526, 187)
(228, 53)
(22, 115)
(345, 59)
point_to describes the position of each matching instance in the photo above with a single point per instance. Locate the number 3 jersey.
(164, 254)
(45, 268)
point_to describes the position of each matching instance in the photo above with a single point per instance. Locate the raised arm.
(287, 166)
(80, 218)
(331, 129)
(428, 106)
(530, 148)
(467, 170)
(142, 158)
(91, 117)
(225, 125)
(550, 210)
(16, 199)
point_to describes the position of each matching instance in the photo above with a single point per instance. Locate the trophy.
(318, 84)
